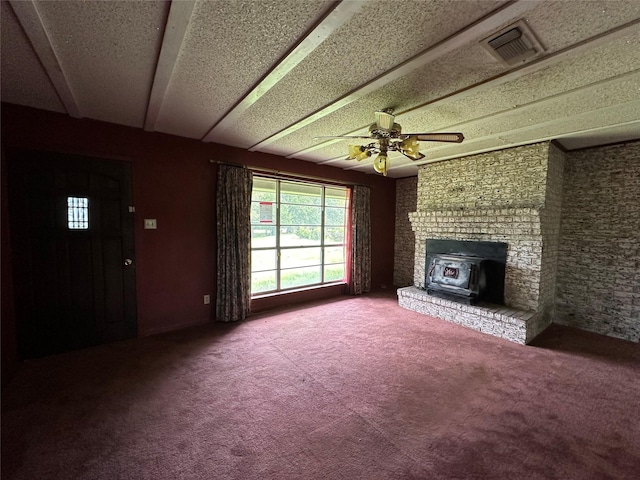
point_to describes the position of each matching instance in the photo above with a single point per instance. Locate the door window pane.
(78, 213)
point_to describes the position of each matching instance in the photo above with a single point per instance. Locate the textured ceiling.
(271, 75)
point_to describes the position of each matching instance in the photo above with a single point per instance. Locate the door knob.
(128, 262)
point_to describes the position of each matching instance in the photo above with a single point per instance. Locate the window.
(78, 213)
(298, 234)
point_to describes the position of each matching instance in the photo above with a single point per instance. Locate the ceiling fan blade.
(437, 137)
(384, 119)
(366, 137)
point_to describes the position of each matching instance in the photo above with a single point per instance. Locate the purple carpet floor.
(353, 388)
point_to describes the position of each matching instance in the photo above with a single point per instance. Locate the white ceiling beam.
(29, 17)
(174, 32)
(332, 20)
(509, 76)
(470, 34)
(616, 133)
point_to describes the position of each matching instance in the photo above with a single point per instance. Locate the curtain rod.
(288, 174)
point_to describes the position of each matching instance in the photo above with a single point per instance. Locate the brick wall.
(509, 178)
(599, 253)
(550, 229)
(404, 246)
(511, 196)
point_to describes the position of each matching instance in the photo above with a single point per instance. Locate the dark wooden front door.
(73, 251)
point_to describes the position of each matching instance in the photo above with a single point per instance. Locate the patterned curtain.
(233, 208)
(360, 281)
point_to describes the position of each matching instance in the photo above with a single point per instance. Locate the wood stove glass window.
(78, 213)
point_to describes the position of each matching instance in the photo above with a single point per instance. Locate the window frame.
(322, 244)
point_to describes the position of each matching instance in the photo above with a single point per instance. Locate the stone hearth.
(500, 321)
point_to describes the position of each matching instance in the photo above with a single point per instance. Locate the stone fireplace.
(512, 197)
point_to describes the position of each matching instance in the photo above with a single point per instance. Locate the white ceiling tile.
(108, 51)
(24, 80)
(228, 47)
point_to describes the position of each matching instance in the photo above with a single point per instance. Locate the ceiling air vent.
(514, 44)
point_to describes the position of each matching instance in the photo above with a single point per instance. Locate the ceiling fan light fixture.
(358, 152)
(354, 151)
(364, 155)
(411, 148)
(381, 164)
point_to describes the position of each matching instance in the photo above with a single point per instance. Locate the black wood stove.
(457, 275)
(466, 271)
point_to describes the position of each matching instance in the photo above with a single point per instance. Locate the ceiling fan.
(386, 136)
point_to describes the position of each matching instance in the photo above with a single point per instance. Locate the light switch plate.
(150, 224)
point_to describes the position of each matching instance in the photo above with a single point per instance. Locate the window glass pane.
(300, 257)
(334, 235)
(263, 213)
(263, 260)
(334, 273)
(296, 235)
(263, 236)
(300, 215)
(78, 213)
(298, 277)
(263, 281)
(334, 255)
(335, 197)
(264, 190)
(300, 193)
(334, 216)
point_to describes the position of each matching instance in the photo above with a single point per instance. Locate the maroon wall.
(174, 182)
